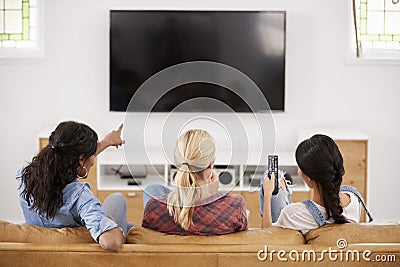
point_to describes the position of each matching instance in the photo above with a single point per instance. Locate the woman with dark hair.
(51, 195)
(321, 167)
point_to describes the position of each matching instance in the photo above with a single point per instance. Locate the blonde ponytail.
(194, 152)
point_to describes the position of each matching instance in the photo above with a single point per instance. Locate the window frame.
(29, 52)
(371, 55)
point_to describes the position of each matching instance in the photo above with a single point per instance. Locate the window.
(19, 28)
(378, 28)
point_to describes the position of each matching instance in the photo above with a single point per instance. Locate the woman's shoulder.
(77, 186)
(296, 216)
(156, 202)
(353, 199)
(352, 211)
(221, 199)
(234, 195)
(295, 208)
(77, 190)
(298, 212)
(233, 198)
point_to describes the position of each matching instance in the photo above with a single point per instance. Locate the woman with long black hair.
(321, 167)
(51, 195)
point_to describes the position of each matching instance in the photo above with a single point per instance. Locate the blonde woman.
(194, 207)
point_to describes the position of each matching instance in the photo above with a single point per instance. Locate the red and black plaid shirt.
(224, 215)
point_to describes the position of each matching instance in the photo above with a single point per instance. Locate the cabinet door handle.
(131, 194)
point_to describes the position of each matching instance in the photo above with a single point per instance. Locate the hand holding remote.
(273, 169)
(269, 184)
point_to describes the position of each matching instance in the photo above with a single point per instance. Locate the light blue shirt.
(80, 208)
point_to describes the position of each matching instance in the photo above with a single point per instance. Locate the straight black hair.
(320, 159)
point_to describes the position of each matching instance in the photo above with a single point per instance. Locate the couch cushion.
(270, 235)
(24, 233)
(354, 233)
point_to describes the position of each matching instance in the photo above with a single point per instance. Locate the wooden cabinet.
(253, 205)
(300, 196)
(43, 142)
(355, 158)
(355, 163)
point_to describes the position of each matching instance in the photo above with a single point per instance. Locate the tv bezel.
(199, 10)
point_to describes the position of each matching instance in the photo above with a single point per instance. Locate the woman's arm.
(111, 139)
(268, 187)
(104, 230)
(112, 240)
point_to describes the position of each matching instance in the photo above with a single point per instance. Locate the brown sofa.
(24, 245)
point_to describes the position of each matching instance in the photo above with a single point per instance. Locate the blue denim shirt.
(80, 208)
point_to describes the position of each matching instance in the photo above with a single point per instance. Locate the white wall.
(324, 87)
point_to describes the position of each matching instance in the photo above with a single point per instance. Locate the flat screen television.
(143, 43)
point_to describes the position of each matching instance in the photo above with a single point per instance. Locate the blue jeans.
(154, 190)
(115, 205)
(278, 201)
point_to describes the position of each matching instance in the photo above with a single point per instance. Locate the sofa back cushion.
(23, 233)
(354, 233)
(270, 235)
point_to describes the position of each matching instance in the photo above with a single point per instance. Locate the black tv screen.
(143, 43)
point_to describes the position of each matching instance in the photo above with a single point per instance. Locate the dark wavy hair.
(320, 159)
(56, 165)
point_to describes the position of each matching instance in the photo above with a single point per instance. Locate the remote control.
(273, 168)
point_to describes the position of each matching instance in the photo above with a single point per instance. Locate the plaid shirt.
(226, 214)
